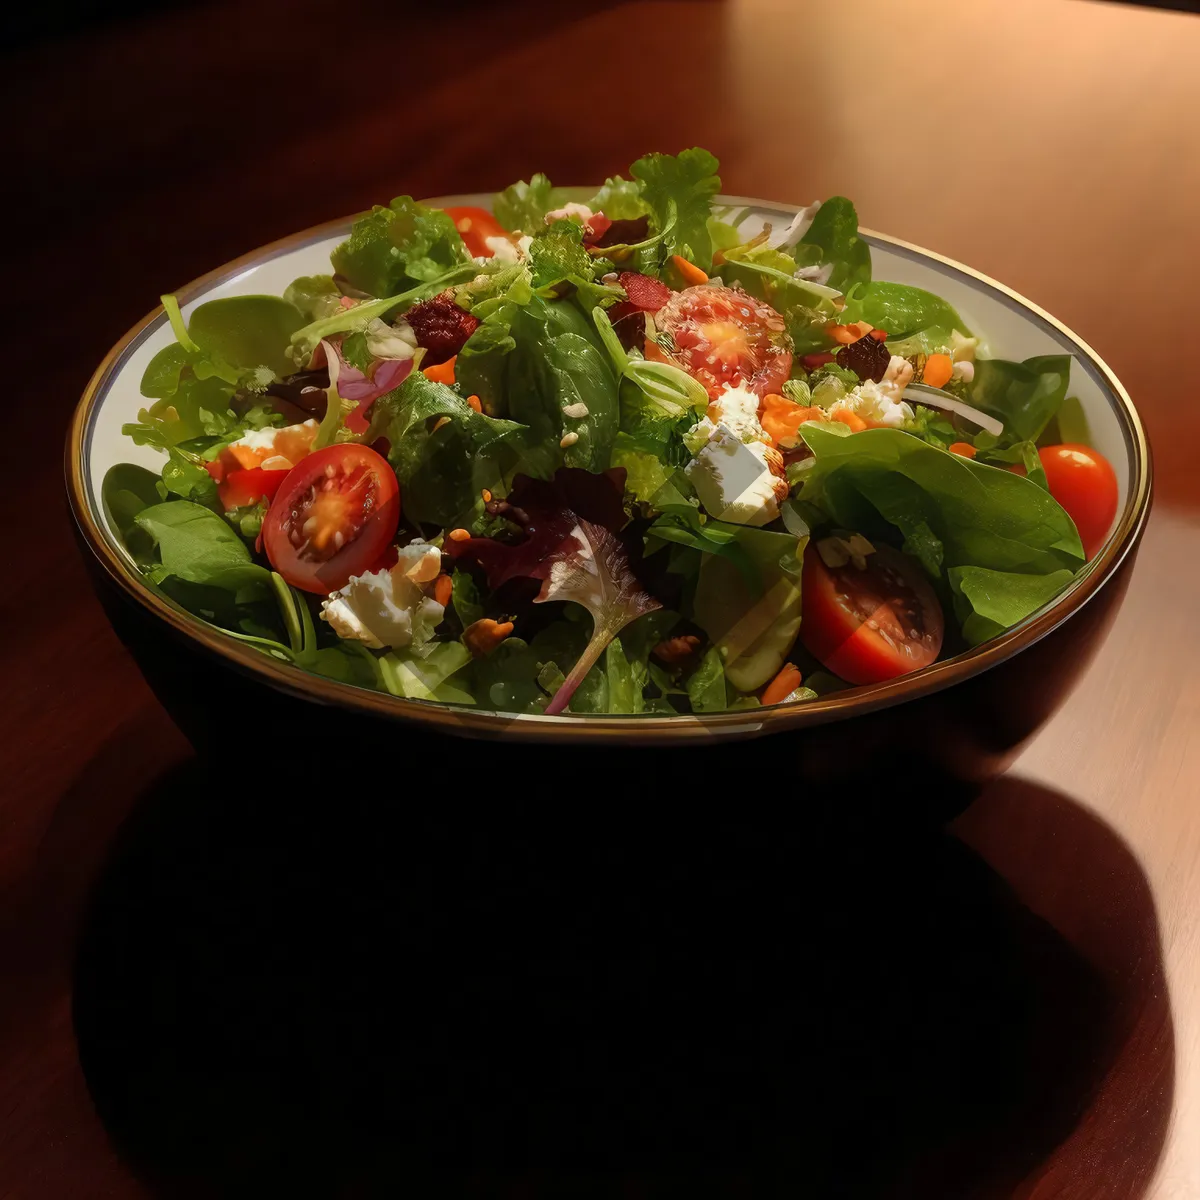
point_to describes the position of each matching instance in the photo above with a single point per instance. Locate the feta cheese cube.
(389, 609)
(733, 481)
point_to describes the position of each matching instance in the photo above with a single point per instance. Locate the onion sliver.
(935, 398)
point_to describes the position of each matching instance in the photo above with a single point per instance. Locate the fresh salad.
(622, 452)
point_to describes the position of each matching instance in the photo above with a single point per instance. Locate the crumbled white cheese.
(736, 410)
(733, 480)
(874, 404)
(389, 608)
(503, 251)
(897, 377)
(962, 349)
(964, 371)
(581, 211)
(575, 411)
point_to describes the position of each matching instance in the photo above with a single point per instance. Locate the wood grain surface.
(1053, 144)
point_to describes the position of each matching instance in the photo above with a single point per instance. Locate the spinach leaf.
(706, 684)
(392, 249)
(950, 509)
(680, 189)
(989, 602)
(128, 490)
(246, 331)
(522, 207)
(196, 545)
(899, 309)
(834, 234)
(1025, 396)
(465, 598)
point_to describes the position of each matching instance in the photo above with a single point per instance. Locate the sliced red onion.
(933, 397)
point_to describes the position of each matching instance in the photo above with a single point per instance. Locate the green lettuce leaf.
(558, 255)
(523, 206)
(620, 200)
(246, 332)
(395, 248)
(680, 189)
(833, 235)
(899, 309)
(314, 296)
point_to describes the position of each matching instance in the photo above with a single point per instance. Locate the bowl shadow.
(375, 989)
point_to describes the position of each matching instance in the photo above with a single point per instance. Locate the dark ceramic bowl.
(928, 739)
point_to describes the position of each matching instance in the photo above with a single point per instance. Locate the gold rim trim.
(647, 729)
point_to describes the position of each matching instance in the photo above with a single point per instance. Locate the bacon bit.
(782, 686)
(482, 637)
(677, 649)
(963, 449)
(442, 328)
(459, 535)
(880, 335)
(473, 402)
(644, 293)
(441, 372)
(691, 274)
(443, 589)
(347, 302)
(813, 361)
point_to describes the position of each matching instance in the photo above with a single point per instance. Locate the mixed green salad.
(622, 452)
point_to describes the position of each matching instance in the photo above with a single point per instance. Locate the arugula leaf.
(706, 684)
(979, 515)
(1025, 396)
(834, 233)
(989, 602)
(753, 631)
(620, 199)
(522, 207)
(899, 309)
(394, 248)
(681, 188)
(442, 470)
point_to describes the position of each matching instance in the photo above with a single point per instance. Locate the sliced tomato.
(872, 623)
(333, 517)
(241, 488)
(724, 337)
(1083, 482)
(475, 226)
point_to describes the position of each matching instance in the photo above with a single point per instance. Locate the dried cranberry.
(628, 324)
(867, 358)
(595, 228)
(645, 293)
(441, 327)
(624, 233)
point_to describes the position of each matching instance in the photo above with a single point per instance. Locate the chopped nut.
(774, 460)
(576, 411)
(568, 439)
(677, 649)
(482, 637)
(781, 488)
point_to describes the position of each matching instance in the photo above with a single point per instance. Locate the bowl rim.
(649, 728)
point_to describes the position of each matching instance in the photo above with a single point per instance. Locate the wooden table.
(1054, 145)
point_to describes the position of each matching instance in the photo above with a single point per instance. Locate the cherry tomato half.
(1083, 482)
(871, 624)
(724, 337)
(333, 517)
(240, 488)
(475, 226)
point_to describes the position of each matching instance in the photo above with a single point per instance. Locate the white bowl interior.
(1009, 329)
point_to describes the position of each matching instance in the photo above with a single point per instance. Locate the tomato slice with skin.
(870, 624)
(240, 488)
(724, 337)
(475, 226)
(333, 517)
(1083, 482)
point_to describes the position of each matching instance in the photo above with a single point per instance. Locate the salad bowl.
(939, 732)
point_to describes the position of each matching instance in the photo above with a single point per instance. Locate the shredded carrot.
(688, 272)
(473, 402)
(781, 419)
(962, 449)
(443, 587)
(459, 535)
(441, 372)
(852, 419)
(782, 686)
(938, 369)
(849, 333)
